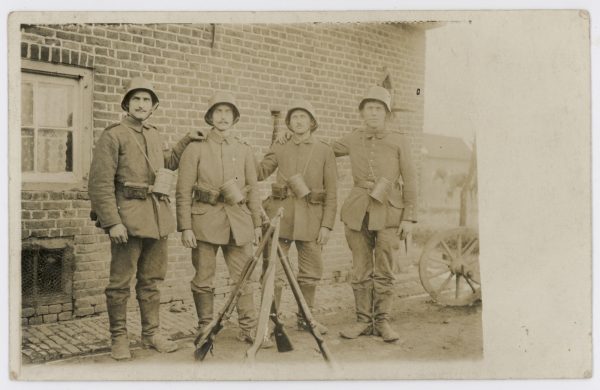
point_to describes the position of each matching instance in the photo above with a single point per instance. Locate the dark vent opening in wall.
(46, 275)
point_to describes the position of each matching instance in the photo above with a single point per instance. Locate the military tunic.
(210, 164)
(314, 159)
(371, 226)
(303, 218)
(119, 159)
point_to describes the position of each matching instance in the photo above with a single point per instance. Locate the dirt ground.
(428, 332)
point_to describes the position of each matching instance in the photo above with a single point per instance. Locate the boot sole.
(366, 332)
(169, 350)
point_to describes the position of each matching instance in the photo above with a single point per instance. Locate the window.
(55, 123)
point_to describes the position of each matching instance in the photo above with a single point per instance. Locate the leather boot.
(308, 291)
(117, 320)
(383, 306)
(204, 308)
(151, 336)
(364, 321)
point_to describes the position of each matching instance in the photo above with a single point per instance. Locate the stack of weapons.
(205, 340)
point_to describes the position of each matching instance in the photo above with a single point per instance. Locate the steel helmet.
(379, 94)
(135, 84)
(221, 97)
(302, 105)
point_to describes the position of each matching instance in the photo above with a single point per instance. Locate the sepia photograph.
(233, 196)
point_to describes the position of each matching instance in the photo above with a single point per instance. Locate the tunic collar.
(369, 134)
(218, 137)
(134, 124)
(309, 140)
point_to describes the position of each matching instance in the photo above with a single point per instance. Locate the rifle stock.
(204, 341)
(282, 340)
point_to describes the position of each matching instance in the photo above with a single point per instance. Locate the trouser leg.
(123, 265)
(385, 252)
(362, 244)
(310, 272)
(152, 269)
(235, 258)
(204, 261)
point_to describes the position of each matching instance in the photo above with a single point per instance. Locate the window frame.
(82, 132)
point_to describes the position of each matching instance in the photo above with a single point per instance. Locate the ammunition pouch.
(279, 191)
(206, 195)
(316, 197)
(133, 190)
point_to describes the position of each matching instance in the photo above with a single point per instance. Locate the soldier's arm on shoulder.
(186, 179)
(408, 173)
(341, 146)
(330, 183)
(101, 181)
(173, 156)
(268, 164)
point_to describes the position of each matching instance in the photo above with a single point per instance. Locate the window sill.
(39, 186)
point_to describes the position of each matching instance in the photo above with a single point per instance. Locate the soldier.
(379, 210)
(218, 206)
(126, 159)
(305, 162)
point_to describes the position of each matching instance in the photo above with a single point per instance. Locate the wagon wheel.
(449, 267)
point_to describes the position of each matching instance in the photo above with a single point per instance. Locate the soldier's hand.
(118, 234)
(197, 135)
(283, 136)
(323, 235)
(257, 235)
(188, 238)
(405, 229)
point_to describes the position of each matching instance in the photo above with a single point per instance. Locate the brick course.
(265, 66)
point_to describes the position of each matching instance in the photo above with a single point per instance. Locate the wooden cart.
(449, 263)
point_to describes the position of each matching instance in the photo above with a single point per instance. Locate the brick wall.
(51, 214)
(265, 66)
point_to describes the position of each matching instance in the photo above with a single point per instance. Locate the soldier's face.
(222, 117)
(374, 114)
(300, 121)
(140, 105)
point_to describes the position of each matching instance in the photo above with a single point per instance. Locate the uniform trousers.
(146, 258)
(204, 260)
(373, 254)
(310, 262)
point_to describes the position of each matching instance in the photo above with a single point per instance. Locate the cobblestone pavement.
(90, 335)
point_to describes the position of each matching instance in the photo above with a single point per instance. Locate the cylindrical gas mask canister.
(163, 181)
(298, 186)
(231, 192)
(380, 189)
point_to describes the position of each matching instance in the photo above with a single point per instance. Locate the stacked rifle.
(204, 341)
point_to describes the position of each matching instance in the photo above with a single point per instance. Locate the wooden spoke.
(440, 273)
(440, 261)
(457, 292)
(469, 246)
(443, 285)
(447, 250)
(470, 284)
